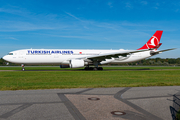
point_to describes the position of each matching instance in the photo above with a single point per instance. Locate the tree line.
(158, 62)
(149, 61)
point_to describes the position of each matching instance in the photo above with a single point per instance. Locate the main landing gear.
(22, 65)
(93, 68)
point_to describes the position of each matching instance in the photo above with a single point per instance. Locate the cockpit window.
(10, 53)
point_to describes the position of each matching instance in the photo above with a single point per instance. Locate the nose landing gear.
(22, 65)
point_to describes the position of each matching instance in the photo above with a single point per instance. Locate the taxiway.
(138, 103)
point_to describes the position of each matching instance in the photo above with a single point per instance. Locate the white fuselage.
(62, 56)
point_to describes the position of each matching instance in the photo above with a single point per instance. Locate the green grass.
(41, 78)
(178, 115)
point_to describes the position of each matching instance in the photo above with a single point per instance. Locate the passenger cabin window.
(10, 53)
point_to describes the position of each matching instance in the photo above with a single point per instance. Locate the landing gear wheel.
(91, 68)
(95, 68)
(86, 68)
(100, 68)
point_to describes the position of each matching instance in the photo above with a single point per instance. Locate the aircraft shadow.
(175, 108)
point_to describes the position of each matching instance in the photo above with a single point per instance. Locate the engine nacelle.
(75, 63)
(64, 66)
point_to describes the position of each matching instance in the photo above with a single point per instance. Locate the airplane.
(77, 58)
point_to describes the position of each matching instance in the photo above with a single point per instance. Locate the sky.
(88, 24)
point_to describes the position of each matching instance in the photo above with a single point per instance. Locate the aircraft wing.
(166, 50)
(103, 57)
(160, 51)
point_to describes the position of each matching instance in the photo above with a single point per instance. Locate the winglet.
(154, 41)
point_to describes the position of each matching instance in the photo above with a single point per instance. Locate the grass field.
(54, 77)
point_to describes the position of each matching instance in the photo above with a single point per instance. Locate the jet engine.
(76, 63)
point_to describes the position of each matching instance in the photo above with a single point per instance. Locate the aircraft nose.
(5, 57)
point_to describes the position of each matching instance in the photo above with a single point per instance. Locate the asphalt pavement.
(123, 103)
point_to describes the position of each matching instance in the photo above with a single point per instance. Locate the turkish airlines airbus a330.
(76, 58)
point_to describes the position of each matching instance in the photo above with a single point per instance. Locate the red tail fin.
(154, 41)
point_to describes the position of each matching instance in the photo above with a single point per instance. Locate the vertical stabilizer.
(154, 41)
